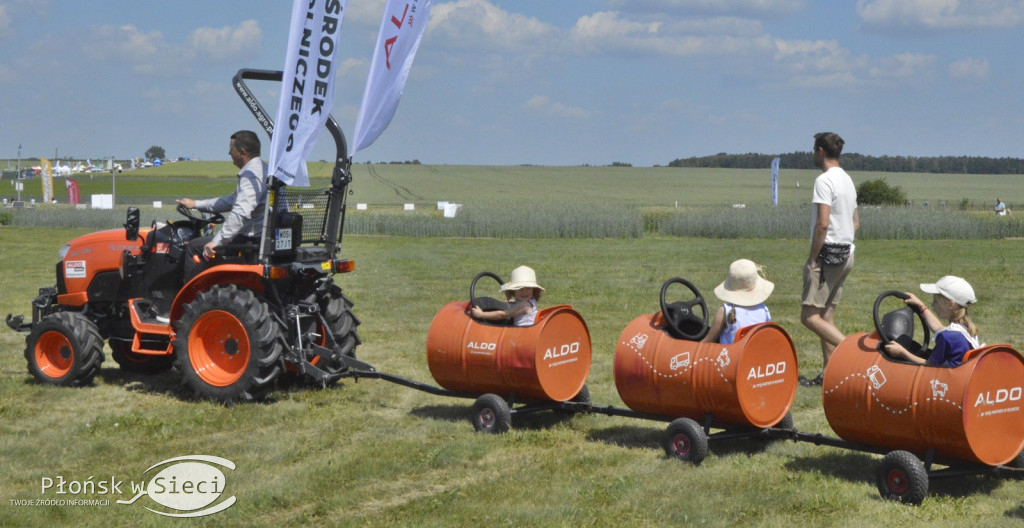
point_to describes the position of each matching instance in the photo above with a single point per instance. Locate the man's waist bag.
(833, 254)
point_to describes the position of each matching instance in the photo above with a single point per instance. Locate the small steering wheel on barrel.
(898, 326)
(487, 304)
(680, 320)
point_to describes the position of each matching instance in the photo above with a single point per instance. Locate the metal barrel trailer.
(967, 418)
(663, 372)
(508, 370)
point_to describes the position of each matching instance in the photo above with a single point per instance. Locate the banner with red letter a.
(307, 89)
(401, 30)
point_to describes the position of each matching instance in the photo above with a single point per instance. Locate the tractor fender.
(245, 275)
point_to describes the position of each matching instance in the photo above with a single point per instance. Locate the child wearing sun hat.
(522, 293)
(743, 295)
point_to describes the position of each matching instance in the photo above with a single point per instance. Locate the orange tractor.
(230, 331)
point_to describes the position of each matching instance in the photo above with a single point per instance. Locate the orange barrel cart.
(663, 372)
(542, 367)
(967, 417)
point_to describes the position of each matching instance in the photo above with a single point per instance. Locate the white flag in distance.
(307, 89)
(775, 182)
(401, 30)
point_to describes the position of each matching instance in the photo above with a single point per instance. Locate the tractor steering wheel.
(485, 303)
(681, 322)
(198, 221)
(898, 325)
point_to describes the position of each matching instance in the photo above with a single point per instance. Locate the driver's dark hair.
(830, 142)
(248, 141)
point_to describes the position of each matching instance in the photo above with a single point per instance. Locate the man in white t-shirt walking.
(830, 260)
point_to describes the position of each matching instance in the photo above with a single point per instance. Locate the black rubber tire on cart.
(685, 440)
(491, 414)
(64, 348)
(902, 477)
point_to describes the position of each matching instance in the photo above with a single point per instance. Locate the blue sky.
(555, 82)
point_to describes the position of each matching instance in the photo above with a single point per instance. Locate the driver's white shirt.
(244, 206)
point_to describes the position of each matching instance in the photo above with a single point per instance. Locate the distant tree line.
(859, 162)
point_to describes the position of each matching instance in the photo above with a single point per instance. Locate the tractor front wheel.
(228, 345)
(64, 349)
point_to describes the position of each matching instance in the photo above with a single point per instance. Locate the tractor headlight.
(64, 251)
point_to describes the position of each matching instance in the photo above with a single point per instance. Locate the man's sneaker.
(812, 382)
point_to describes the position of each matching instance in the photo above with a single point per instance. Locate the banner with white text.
(307, 89)
(401, 30)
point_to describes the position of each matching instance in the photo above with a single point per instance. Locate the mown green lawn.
(376, 454)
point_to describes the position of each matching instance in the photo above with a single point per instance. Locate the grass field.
(391, 186)
(375, 454)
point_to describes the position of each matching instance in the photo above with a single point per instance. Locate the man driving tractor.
(244, 207)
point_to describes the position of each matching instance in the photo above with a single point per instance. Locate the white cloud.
(747, 8)
(969, 69)
(543, 105)
(5, 18)
(127, 45)
(610, 32)
(227, 42)
(480, 26)
(941, 14)
(821, 64)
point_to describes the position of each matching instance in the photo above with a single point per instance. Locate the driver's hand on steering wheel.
(188, 203)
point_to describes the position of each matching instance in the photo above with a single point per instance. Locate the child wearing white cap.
(950, 298)
(743, 295)
(522, 292)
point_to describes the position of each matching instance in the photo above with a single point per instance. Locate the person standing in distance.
(835, 220)
(244, 207)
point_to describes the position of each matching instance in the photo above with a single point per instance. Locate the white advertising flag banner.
(401, 30)
(307, 89)
(775, 182)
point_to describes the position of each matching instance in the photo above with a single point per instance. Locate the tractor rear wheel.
(64, 349)
(130, 361)
(228, 345)
(337, 311)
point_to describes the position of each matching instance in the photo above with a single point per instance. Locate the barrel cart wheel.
(491, 414)
(902, 477)
(685, 440)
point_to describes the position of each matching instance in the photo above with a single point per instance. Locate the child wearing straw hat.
(951, 296)
(522, 292)
(743, 295)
